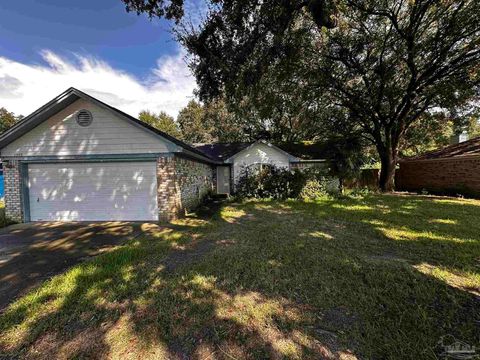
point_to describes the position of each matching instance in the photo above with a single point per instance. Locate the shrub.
(278, 183)
(4, 221)
(313, 189)
(360, 192)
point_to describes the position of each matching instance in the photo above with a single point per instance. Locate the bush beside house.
(279, 183)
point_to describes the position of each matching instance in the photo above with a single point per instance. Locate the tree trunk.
(387, 171)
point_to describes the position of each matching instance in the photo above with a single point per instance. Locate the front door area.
(223, 180)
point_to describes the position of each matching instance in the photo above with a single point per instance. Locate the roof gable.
(265, 143)
(300, 151)
(70, 96)
(108, 133)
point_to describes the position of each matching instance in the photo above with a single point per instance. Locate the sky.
(128, 61)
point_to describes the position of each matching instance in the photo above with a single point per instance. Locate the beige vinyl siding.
(259, 153)
(108, 134)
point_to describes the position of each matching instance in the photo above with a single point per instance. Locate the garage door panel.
(93, 191)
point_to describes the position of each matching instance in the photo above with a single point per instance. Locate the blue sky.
(48, 45)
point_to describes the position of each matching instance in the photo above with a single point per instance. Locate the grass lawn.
(375, 277)
(3, 220)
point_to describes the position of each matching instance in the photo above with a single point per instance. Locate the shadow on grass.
(440, 231)
(29, 254)
(264, 280)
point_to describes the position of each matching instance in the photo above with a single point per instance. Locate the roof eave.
(300, 160)
(458, 157)
(194, 155)
(37, 117)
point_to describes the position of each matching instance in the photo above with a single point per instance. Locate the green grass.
(374, 277)
(3, 221)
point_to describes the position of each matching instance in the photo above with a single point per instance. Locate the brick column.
(13, 191)
(168, 197)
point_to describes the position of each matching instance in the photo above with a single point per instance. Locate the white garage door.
(93, 191)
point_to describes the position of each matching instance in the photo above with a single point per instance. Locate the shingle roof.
(466, 148)
(222, 151)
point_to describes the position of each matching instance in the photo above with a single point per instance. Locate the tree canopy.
(190, 120)
(161, 121)
(376, 67)
(211, 122)
(7, 119)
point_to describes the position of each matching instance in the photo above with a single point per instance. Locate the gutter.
(307, 161)
(193, 155)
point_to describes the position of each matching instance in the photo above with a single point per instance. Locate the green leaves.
(7, 119)
(378, 71)
(161, 121)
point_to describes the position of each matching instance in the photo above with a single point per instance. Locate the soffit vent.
(84, 118)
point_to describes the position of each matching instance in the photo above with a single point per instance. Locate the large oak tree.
(377, 64)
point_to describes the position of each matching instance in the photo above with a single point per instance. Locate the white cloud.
(24, 87)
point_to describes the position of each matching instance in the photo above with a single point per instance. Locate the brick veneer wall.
(13, 190)
(448, 176)
(168, 201)
(195, 181)
(182, 185)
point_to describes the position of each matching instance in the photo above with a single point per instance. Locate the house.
(454, 169)
(238, 156)
(79, 159)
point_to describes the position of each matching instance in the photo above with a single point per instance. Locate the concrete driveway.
(31, 253)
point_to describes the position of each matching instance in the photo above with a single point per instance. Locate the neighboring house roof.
(223, 151)
(69, 97)
(466, 148)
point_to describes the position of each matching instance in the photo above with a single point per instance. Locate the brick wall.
(182, 185)
(168, 201)
(195, 181)
(448, 176)
(13, 190)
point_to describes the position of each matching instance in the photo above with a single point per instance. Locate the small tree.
(210, 122)
(345, 158)
(161, 121)
(7, 119)
(225, 125)
(191, 121)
